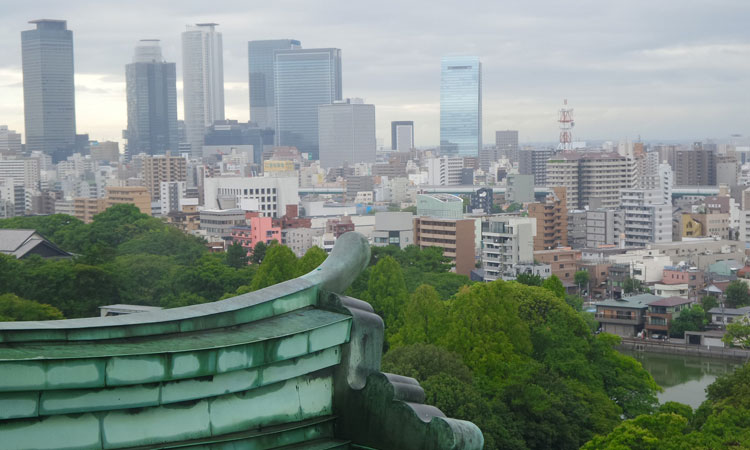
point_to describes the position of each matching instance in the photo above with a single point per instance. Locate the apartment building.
(647, 218)
(551, 220)
(563, 261)
(134, 195)
(454, 236)
(161, 169)
(506, 243)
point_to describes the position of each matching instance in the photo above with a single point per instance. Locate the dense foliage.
(736, 294)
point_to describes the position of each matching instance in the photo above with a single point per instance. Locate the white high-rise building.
(346, 133)
(444, 171)
(648, 218)
(203, 82)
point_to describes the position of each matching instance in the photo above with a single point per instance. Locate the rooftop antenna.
(565, 119)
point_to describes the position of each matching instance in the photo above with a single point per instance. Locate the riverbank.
(681, 348)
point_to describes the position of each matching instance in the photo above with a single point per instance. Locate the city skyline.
(624, 75)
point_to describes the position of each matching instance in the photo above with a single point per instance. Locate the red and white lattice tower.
(566, 125)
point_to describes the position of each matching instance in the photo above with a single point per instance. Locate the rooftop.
(671, 301)
(635, 301)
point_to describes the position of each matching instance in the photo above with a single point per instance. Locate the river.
(684, 378)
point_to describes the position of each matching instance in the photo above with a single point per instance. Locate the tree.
(554, 285)
(236, 256)
(691, 319)
(736, 295)
(312, 258)
(581, 279)
(259, 252)
(386, 292)
(575, 301)
(529, 279)
(424, 318)
(16, 308)
(279, 265)
(631, 285)
(411, 209)
(708, 302)
(513, 207)
(738, 333)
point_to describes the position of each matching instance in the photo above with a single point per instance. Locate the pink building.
(259, 229)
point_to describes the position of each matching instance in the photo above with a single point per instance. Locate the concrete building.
(519, 188)
(533, 161)
(393, 228)
(644, 265)
(267, 195)
(402, 135)
(10, 141)
(592, 180)
(577, 228)
(647, 218)
(625, 317)
(506, 242)
(107, 151)
(454, 236)
(346, 133)
(48, 88)
(262, 80)
(701, 253)
(304, 80)
(259, 229)
(695, 167)
(21, 172)
(460, 106)
(203, 82)
(444, 171)
(563, 261)
(482, 200)
(172, 194)
(604, 227)
(506, 143)
(134, 195)
(300, 240)
(551, 220)
(727, 170)
(86, 208)
(706, 225)
(163, 169)
(445, 206)
(661, 314)
(151, 87)
(218, 223)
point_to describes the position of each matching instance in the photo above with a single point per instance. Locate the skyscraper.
(152, 101)
(203, 82)
(48, 88)
(260, 68)
(506, 142)
(346, 133)
(461, 106)
(402, 135)
(304, 80)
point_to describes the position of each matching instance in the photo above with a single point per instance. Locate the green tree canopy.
(581, 278)
(529, 279)
(691, 319)
(279, 264)
(14, 308)
(554, 285)
(237, 256)
(386, 291)
(259, 252)
(312, 258)
(736, 294)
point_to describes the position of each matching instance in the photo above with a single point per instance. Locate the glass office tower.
(48, 88)
(152, 101)
(260, 69)
(304, 80)
(461, 106)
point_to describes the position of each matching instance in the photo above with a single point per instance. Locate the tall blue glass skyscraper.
(260, 68)
(461, 106)
(304, 80)
(48, 88)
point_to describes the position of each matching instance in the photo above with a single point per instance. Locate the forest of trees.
(518, 359)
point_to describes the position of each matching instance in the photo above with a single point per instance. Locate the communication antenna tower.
(566, 125)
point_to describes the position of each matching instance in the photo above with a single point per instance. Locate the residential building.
(563, 261)
(506, 242)
(402, 135)
(519, 188)
(722, 316)
(645, 265)
(454, 236)
(662, 312)
(86, 208)
(670, 290)
(533, 161)
(577, 228)
(393, 228)
(105, 151)
(727, 170)
(461, 106)
(543, 271)
(690, 276)
(48, 88)
(218, 223)
(267, 195)
(163, 169)
(506, 143)
(171, 196)
(596, 288)
(134, 195)
(203, 82)
(647, 218)
(260, 57)
(346, 133)
(444, 171)
(259, 229)
(304, 80)
(21, 172)
(625, 317)
(695, 167)
(604, 227)
(591, 179)
(339, 225)
(151, 88)
(701, 253)
(300, 240)
(551, 220)
(445, 206)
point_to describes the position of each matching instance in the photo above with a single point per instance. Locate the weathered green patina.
(295, 365)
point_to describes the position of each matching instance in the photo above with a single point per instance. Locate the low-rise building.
(626, 316)
(300, 240)
(218, 223)
(393, 228)
(564, 262)
(662, 312)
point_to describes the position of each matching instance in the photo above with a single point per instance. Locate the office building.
(506, 143)
(305, 79)
(203, 82)
(461, 106)
(402, 135)
(393, 228)
(151, 87)
(454, 236)
(107, 151)
(10, 141)
(218, 223)
(445, 171)
(21, 172)
(262, 81)
(346, 133)
(533, 161)
(551, 220)
(161, 169)
(695, 167)
(519, 188)
(592, 180)
(267, 195)
(506, 242)
(48, 88)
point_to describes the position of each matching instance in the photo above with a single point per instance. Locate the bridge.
(292, 366)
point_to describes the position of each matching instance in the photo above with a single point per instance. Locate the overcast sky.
(659, 69)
